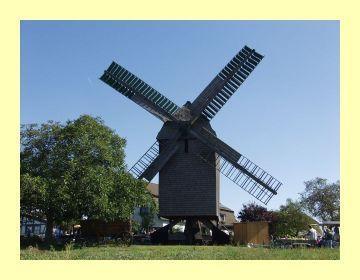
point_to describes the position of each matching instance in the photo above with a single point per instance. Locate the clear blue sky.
(285, 117)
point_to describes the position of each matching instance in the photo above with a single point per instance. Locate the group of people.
(328, 237)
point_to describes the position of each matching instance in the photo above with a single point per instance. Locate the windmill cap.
(187, 104)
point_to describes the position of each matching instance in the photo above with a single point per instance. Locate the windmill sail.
(248, 176)
(215, 143)
(223, 86)
(155, 166)
(143, 163)
(238, 168)
(152, 161)
(140, 92)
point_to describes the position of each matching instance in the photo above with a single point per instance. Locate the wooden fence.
(98, 228)
(251, 232)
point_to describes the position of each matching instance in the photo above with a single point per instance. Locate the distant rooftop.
(225, 208)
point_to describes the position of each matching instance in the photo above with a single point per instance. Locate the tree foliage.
(290, 220)
(322, 199)
(253, 212)
(75, 170)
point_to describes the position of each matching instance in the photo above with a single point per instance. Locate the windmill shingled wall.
(188, 186)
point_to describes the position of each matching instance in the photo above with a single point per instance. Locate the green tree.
(75, 170)
(322, 199)
(290, 220)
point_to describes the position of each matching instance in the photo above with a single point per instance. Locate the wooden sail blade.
(140, 92)
(224, 85)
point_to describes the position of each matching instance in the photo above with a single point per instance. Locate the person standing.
(312, 235)
(336, 234)
(320, 231)
(329, 236)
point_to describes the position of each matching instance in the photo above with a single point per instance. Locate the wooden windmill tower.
(188, 155)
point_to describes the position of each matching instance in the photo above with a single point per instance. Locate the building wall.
(227, 218)
(188, 186)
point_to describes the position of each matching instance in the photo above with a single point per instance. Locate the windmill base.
(192, 235)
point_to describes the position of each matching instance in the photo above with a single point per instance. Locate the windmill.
(188, 155)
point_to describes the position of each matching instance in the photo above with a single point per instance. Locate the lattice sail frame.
(144, 162)
(224, 85)
(140, 92)
(250, 185)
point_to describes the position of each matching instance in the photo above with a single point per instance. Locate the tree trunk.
(49, 230)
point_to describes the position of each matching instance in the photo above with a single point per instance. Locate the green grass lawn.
(138, 252)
